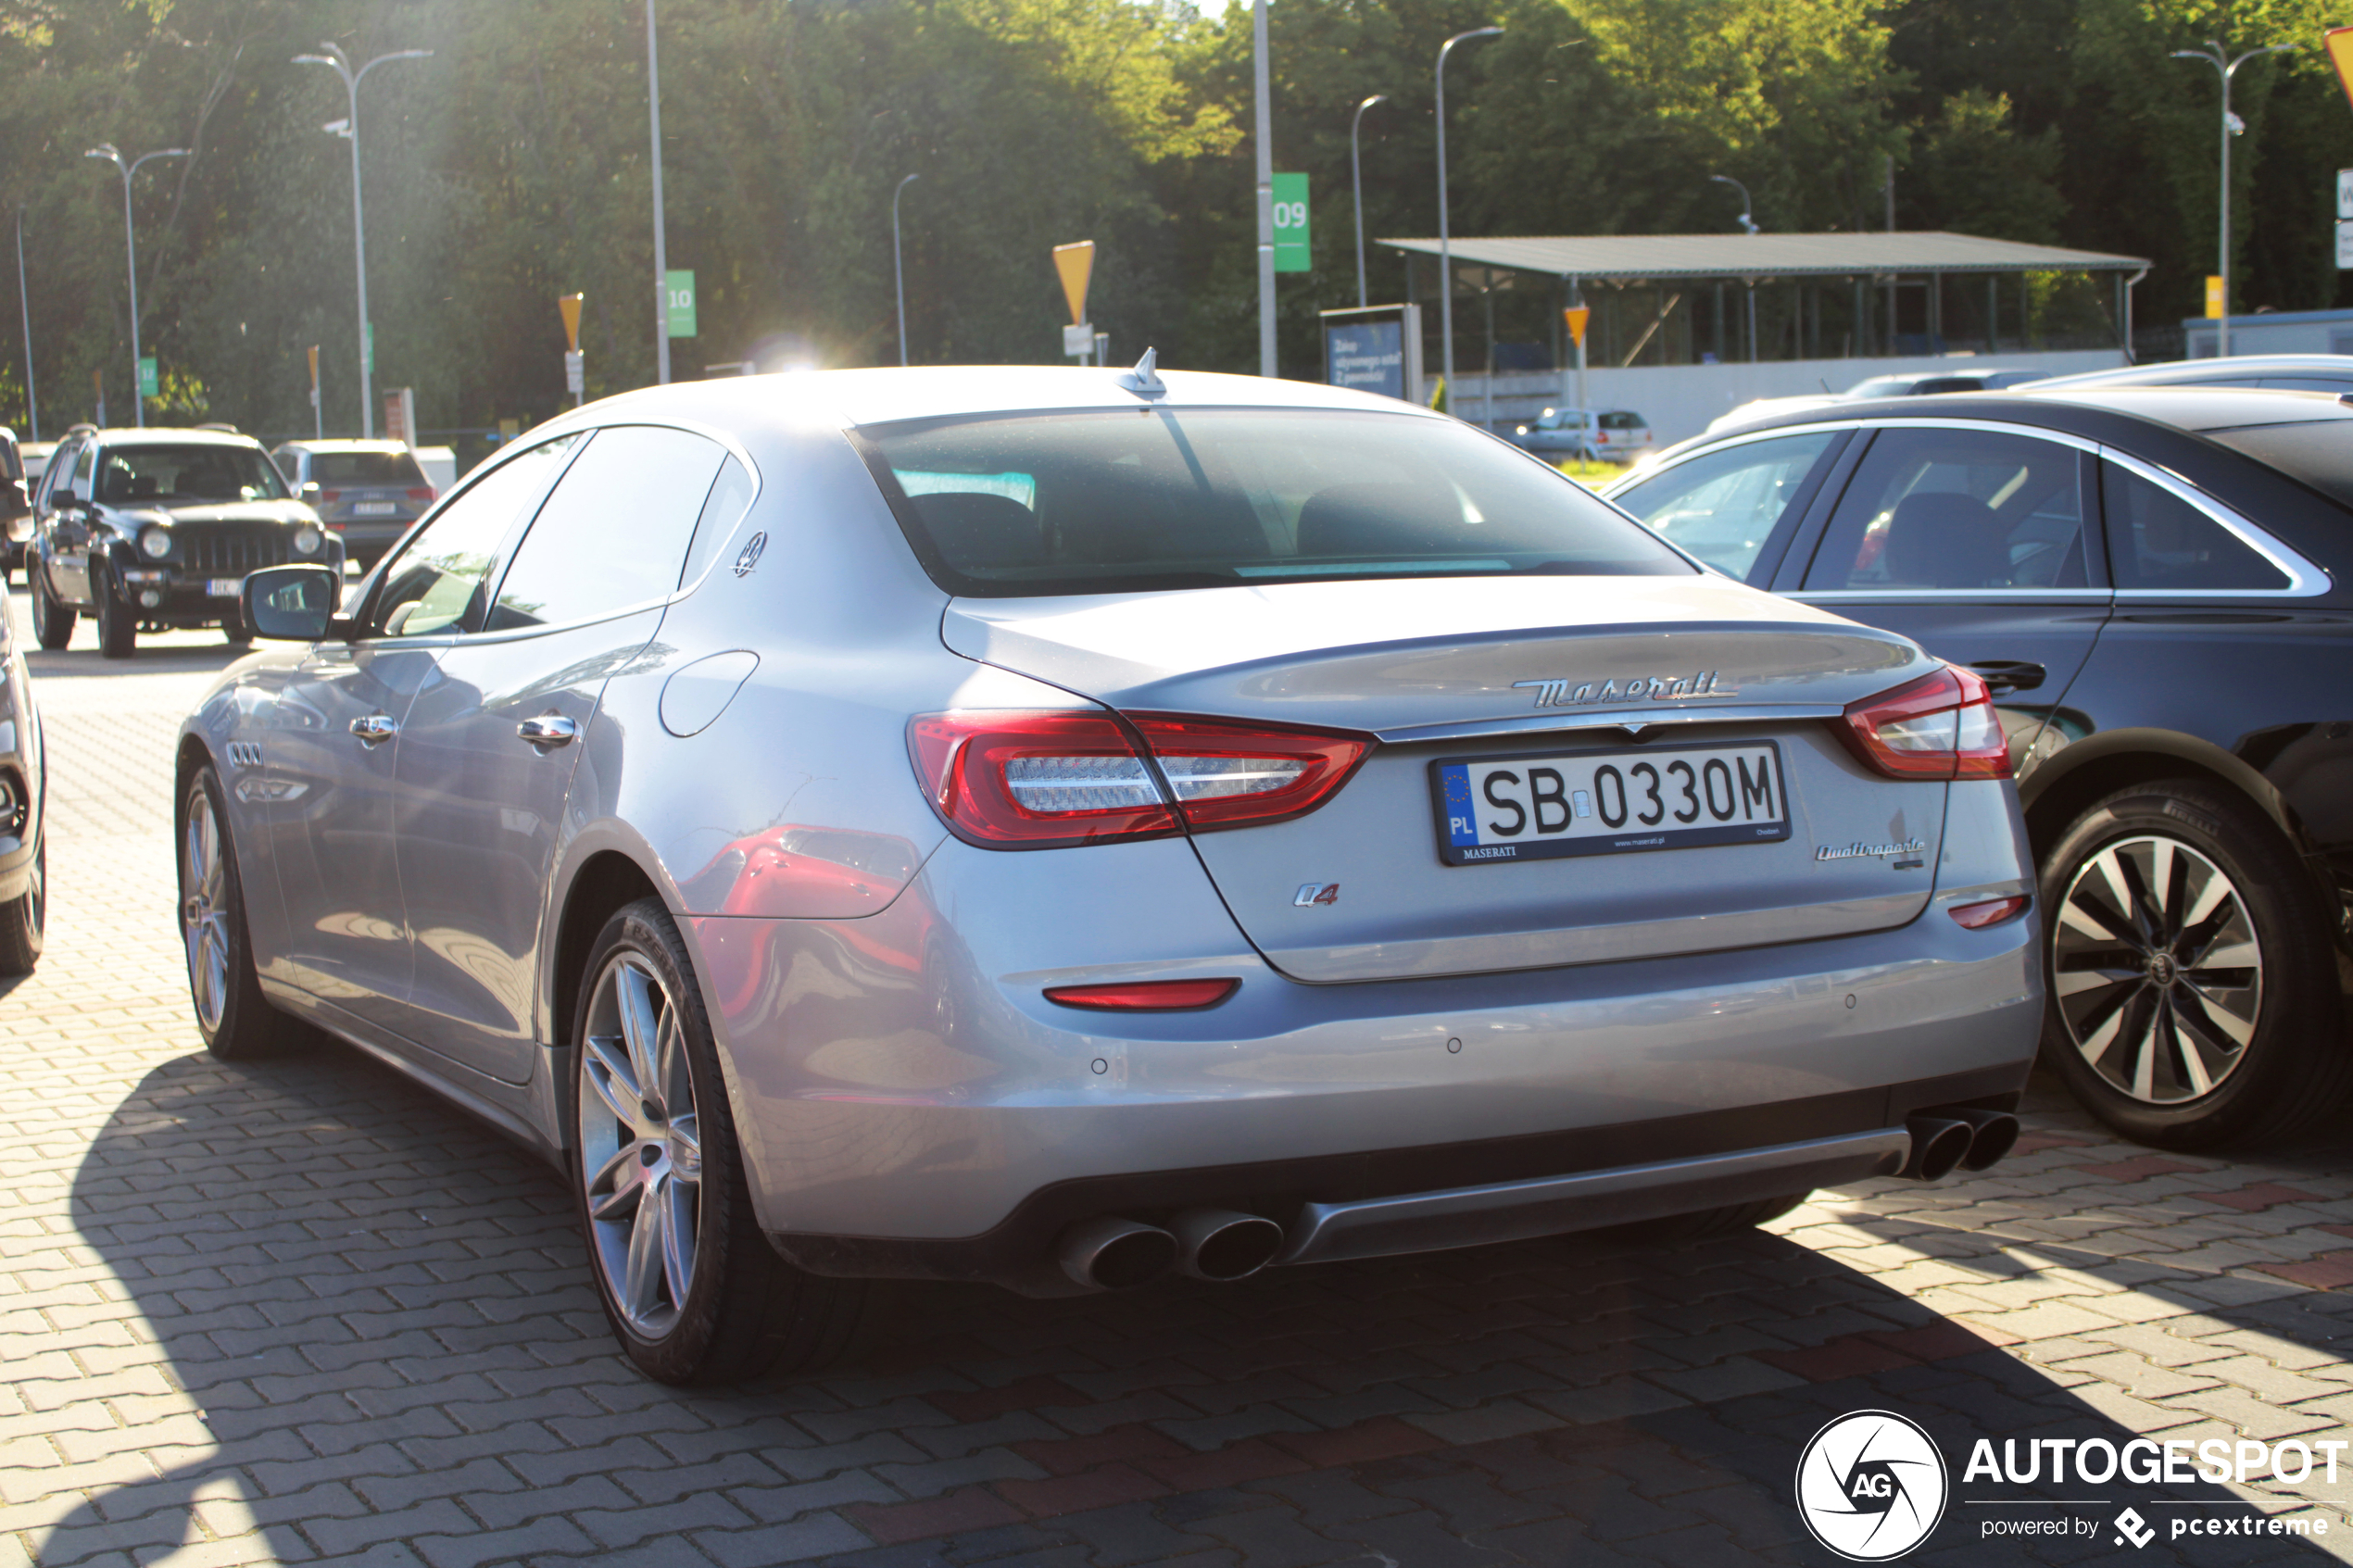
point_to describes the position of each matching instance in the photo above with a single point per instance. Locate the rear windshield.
(331, 469)
(2319, 452)
(1623, 422)
(187, 473)
(1159, 498)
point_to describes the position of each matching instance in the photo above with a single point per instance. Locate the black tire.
(24, 919)
(235, 1019)
(52, 623)
(118, 628)
(2191, 1034)
(743, 1310)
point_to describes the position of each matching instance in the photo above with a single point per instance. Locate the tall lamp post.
(2231, 125)
(1356, 183)
(661, 228)
(1445, 247)
(335, 60)
(897, 270)
(131, 254)
(24, 301)
(1748, 226)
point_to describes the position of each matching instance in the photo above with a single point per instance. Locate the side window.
(54, 478)
(614, 532)
(437, 582)
(1967, 510)
(729, 496)
(2158, 540)
(1723, 507)
(83, 467)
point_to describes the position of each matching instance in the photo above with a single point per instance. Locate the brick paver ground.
(298, 1312)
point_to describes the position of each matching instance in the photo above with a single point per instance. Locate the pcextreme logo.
(1871, 1485)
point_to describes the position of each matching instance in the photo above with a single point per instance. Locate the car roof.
(886, 396)
(154, 436)
(342, 444)
(2199, 407)
(2237, 367)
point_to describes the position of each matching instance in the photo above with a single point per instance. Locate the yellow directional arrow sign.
(2339, 41)
(570, 305)
(1577, 316)
(1076, 263)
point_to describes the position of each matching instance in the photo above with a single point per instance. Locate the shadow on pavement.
(381, 1314)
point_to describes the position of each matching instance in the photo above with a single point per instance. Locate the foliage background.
(513, 167)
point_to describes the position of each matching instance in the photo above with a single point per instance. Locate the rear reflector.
(330, 494)
(424, 493)
(1977, 917)
(1146, 996)
(1941, 726)
(1040, 781)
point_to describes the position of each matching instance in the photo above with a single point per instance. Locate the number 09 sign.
(1291, 249)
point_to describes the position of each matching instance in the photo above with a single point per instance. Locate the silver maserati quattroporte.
(1059, 827)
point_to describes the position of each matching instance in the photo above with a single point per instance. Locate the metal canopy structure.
(1654, 257)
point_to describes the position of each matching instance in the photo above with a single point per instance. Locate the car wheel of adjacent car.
(235, 1019)
(118, 628)
(2194, 997)
(693, 1290)
(25, 918)
(52, 623)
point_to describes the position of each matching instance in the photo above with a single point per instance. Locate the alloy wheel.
(204, 917)
(640, 1146)
(2157, 970)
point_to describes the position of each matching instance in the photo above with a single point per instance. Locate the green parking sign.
(678, 302)
(150, 383)
(1291, 223)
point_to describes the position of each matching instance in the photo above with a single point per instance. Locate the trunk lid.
(1566, 674)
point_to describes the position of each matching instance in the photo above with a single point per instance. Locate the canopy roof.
(1631, 257)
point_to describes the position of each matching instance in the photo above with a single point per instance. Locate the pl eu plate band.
(1417, 1221)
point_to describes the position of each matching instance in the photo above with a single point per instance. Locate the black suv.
(2157, 585)
(157, 528)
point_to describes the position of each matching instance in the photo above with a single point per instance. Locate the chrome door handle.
(375, 727)
(548, 731)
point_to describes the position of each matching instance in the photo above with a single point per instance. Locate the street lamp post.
(335, 60)
(130, 254)
(1445, 247)
(24, 300)
(898, 270)
(662, 235)
(2231, 125)
(1356, 183)
(1749, 226)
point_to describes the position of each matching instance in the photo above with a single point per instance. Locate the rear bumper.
(910, 1105)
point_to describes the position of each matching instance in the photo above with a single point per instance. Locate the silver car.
(1063, 826)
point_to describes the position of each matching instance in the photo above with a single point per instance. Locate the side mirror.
(13, 504)
(291, 603)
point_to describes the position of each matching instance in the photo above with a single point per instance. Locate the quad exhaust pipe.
(1112, 1253)
(1957, 1138)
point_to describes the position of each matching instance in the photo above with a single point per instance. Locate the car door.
(489, 748)
(1975, 542)
(336, 742)
(67, 521)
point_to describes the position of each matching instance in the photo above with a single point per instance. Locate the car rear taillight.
(1993, 912)
(1042, 781)
(1145, 995)
(424, 495)
(1941, 726)
(330, 494)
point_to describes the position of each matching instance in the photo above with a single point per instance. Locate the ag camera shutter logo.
(1871, 1485)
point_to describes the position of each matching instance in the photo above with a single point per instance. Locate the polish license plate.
(224, 587)
(374, 509)
(1543, 808)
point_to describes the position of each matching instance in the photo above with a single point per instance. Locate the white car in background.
(1610, 435)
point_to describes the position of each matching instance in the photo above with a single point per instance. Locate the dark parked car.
(157, 528)
(2155, 584)
(24, 904)
(366, 492)
(2331, 373)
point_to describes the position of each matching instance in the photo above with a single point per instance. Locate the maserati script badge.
(1638, 688)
